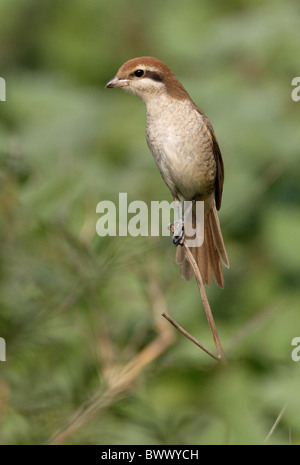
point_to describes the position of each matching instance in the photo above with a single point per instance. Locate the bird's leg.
(177, 227)
(188, 210)
(179, 232)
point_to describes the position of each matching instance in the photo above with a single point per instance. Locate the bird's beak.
(117, 82)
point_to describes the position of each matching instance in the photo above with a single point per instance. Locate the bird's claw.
(178, 240)
(177, 229)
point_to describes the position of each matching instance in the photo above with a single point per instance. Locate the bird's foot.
(178, 240)
(177, 228)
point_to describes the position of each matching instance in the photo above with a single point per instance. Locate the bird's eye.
(139, 73)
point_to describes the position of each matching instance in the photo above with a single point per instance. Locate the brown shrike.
(185, 148)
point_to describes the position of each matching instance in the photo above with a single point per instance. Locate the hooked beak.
(116, 82)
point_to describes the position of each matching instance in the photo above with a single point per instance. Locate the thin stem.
(189, 336)
(276, 423)
(206, 305)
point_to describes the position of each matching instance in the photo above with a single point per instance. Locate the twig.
(189, 336)
(206, 305)
(119, 379)
(276, 423)
(290, 437)
(118, 382)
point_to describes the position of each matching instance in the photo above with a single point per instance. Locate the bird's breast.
(182, 148)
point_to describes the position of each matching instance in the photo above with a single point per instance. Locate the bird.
(185, 149)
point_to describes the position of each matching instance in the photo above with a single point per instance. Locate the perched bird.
(185, 148)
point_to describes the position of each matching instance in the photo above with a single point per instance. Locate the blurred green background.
(78, 311)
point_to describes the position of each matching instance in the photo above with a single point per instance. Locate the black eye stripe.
(154, 75)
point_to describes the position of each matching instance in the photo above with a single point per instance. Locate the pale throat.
(165, 115)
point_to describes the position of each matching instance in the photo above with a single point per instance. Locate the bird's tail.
(210, 255)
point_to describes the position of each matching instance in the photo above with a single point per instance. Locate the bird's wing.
(219, 161)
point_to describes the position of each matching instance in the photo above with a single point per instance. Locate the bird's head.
(148, 77)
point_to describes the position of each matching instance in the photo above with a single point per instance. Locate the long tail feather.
(209, 256)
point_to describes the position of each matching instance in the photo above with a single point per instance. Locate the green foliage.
(73, 304)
